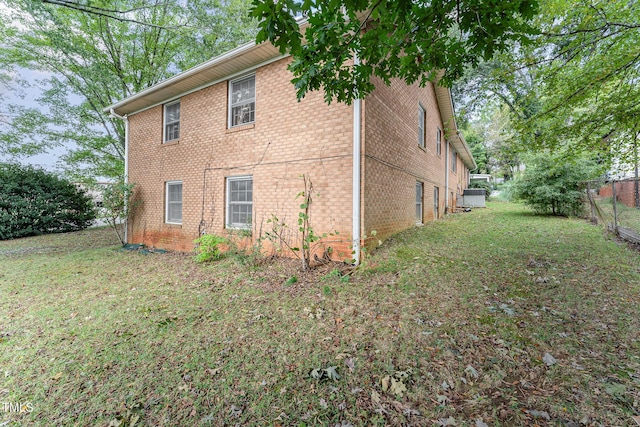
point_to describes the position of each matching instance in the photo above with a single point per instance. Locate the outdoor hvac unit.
(472, 198)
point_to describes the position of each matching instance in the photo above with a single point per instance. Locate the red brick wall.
(288, 139)
(625, 192)
(394, 161)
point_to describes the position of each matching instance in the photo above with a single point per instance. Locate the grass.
(452, 319)
(628, 217)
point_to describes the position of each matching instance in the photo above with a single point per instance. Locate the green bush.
(208, 247)
(552, 184)
(34, 202)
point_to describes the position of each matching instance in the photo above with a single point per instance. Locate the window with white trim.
(173, 196)
(242, 101)
(172, 121)
(438, 142)
(421, 120)
(239, 202)
(436, 202)
(418, 202)
(454, 161)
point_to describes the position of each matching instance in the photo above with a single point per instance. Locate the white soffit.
(219, 68)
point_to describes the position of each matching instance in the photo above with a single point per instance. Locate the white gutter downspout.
(357, 130)
(126, 165)
(446, 178)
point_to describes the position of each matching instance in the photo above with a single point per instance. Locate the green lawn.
(446, 322)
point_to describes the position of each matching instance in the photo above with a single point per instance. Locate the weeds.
(447, 323)
(209, 247)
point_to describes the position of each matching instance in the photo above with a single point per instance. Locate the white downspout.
(126, 165)
(446, 178)
(357, 130)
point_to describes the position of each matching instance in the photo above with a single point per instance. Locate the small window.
(242, 101)
(174, 202)
(172, 121)
(418, 203)
(239, 202)
(454, 161)
(436, 202)
(421, 120)
(438, 142)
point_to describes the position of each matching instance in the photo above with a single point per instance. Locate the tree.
(551, 183)
(93, 57)
(476, 142)
(574, 85)
(406, 39)
(118, 203)
(34, 202)
(589, 62)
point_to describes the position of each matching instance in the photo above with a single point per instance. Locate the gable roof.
(248, 57)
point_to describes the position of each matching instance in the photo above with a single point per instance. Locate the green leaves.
(551, 184)
(87, 61)
(329, 373)
(400, 39)
(34, 202)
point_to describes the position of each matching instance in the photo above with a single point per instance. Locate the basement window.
(419, 203)
(239, 202)
(173, 196)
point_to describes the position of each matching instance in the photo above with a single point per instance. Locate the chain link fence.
(616, 205)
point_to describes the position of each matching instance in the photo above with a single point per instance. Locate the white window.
(454, 161)
(436, 202)
(172, 121)
(421, 116)
(242, 101)
(239, 201)
(438, 142)
(418, 203)
(174, 202)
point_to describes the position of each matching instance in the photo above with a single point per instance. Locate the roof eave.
(447, 112)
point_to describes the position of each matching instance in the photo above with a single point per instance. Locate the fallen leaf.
(350, 364)
(636, 419)
(332, 373)
(316, 373)
(375, 397)
(385, 383)
(471, 371)
(549, 360)
(480, 423)
(397, 387)
(539, 414)
(323, 403)
(442, 422)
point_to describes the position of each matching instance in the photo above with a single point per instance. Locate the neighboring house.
(222, 147)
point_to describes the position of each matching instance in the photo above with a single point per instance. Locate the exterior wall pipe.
(357, 131)
(126, 165)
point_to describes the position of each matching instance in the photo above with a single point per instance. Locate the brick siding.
(288, 139)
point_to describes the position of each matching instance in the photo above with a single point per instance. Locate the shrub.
(208, 247)
(551, 184)
(117, 204)
(34, 202)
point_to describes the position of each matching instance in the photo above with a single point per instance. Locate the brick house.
(222, 147)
